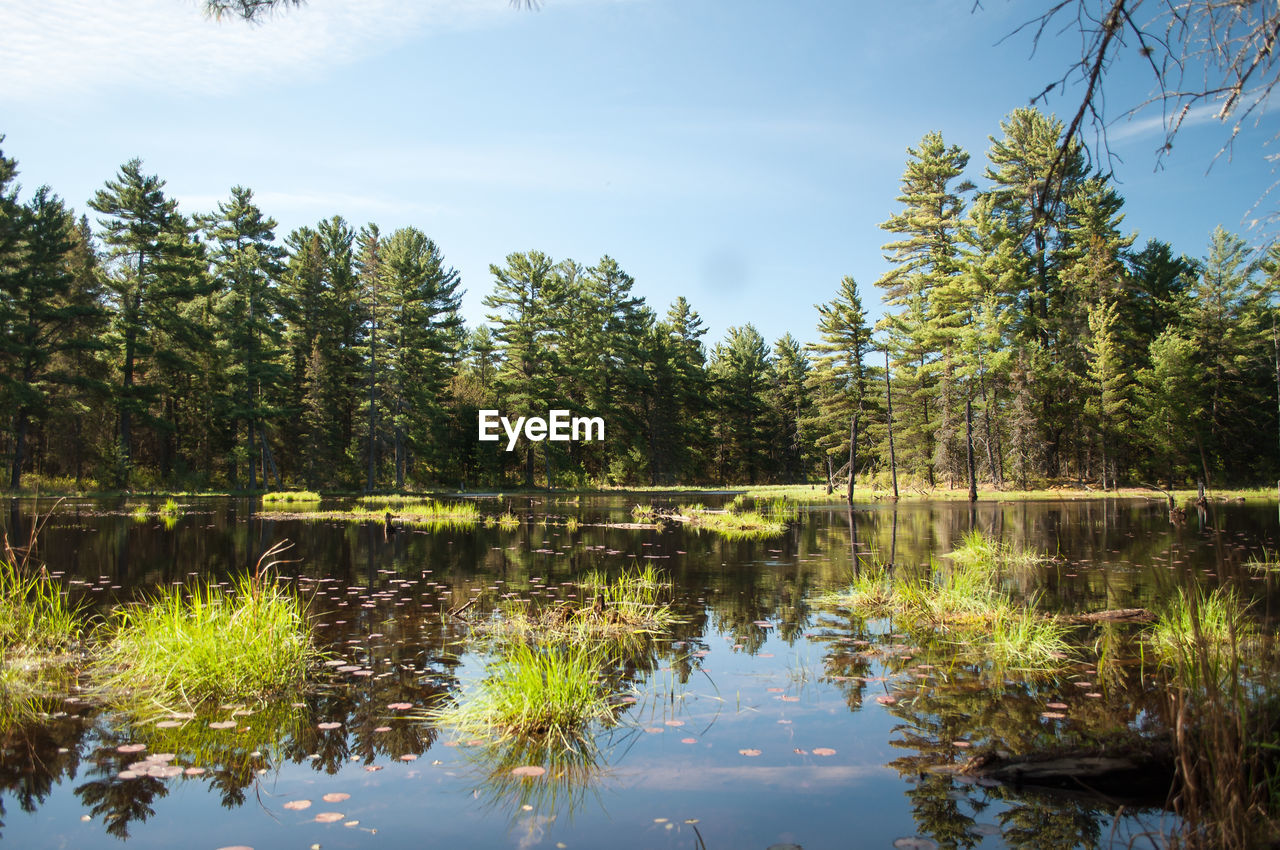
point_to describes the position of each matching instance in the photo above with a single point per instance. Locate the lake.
(765, 717)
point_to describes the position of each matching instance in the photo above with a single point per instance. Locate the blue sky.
(739, 152)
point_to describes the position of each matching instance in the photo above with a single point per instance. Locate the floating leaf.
(131, 748)
(528, 770)
(329, 817)
(335, 797)
(749, 753)
(823, 751)
(297, 805)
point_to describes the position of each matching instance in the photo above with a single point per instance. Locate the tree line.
(1025, 339)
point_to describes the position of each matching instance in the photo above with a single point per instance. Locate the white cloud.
(53, 47)
(1136, 128)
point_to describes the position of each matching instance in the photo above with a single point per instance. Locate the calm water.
(727, 743)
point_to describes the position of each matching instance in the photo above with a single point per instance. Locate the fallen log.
(1142, 774)
(1114, 615)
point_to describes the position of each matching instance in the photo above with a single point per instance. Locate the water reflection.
(748, 623)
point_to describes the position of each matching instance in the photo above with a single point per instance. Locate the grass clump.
(622, 613)
(544, 691)
(965, 606)
(871, 594)
(979, 550)
(508, 521)
(642, 513)
(284, 496)
(189, 646)
(35, 617)
(1199, 633)
(747, 525)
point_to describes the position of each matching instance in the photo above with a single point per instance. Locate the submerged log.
(1114, 615)
(1136, 774)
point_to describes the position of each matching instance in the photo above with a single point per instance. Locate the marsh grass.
(547, 693)
(979, 550)
(508, 521)
(642, 513)
(1268, 561)
(572, 524)
(188, 646)
(748, 525)
(1200, 634)
(171, 508)
(35, 615)
(1222, 684)
(620, 615)
(285, 496)
(963, 605)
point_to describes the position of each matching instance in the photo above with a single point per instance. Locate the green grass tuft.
(188, 646)
(1199, 633)
(290, 496)
(35, 616)
(551, 692)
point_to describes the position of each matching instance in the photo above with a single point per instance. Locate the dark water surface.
(756, 664)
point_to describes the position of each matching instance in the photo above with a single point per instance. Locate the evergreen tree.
(526, 294)
(926, 287)
(839, 380)
(421, 338)
(247, 268)
(40, 317)
(153, 267)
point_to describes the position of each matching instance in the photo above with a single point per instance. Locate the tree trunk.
(888, 406)
(853, 443)
(997, 474)
(968, 433)
(830, 475)
(19, 448)
(253, 458)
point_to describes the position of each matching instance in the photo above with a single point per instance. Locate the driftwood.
(1139, 774)
(1114, 615)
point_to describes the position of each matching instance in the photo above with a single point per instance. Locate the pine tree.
(926, 286)
(525, 296)
(739, 372)
(839, 381)
(153, 267)
(247, 268)
(791, 407)
(40, 317)
(422, 336)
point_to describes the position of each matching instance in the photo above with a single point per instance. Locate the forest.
(1026, 337)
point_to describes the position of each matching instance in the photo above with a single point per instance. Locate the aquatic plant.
(870, 593)
(35, 616)
(1197, 634)
(140, 513)
(186, 646)
(553, 692)
(171, 508)
(572, 524)
(963, 604)
(508, 521)
(620, 615)
(1268, 561)
(642, 513)
(748, 525)
(980, 550)
(279, 496)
